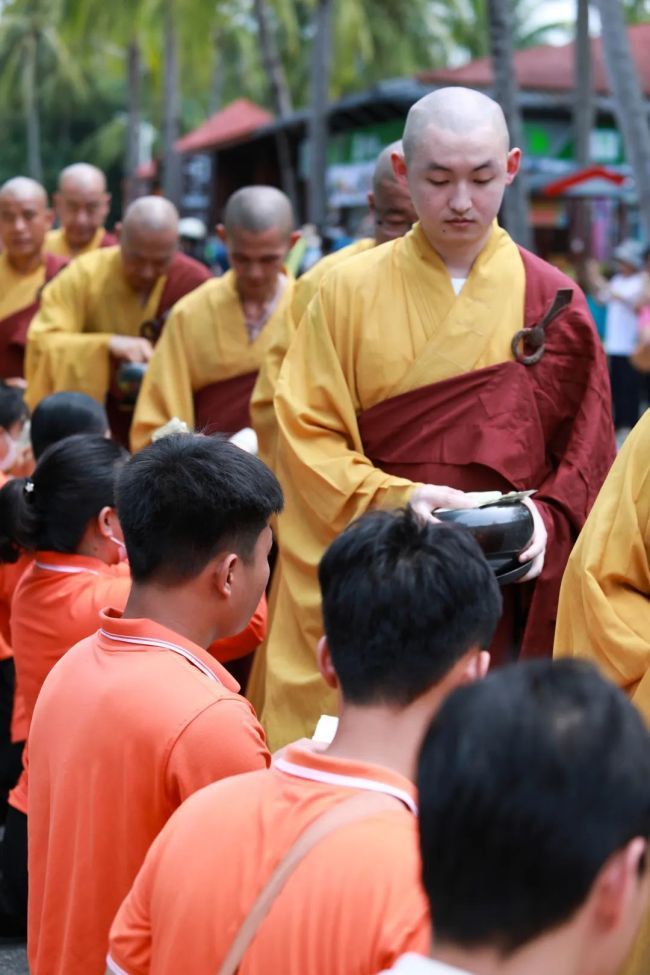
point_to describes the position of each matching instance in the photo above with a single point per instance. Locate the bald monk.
(205, 365)
(25, 218)
(81, 204)
(410, 372)
(108, 308)
(390, 203)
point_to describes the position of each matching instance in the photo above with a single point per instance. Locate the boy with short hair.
(137, 717)
(409, 608)
(534, 825)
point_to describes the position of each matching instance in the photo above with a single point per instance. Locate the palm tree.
(515, 205)
(583, 106)
(31, 49)
(629, 103)
(320, 76)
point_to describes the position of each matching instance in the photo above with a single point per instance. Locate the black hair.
(49, 511)
(12, 406)
(403, 601)
(528, 782)
(63, 414)
(185, 498)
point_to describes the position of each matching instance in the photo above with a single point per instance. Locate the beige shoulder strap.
(361, 806)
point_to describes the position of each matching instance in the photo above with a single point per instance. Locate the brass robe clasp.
(533, 338)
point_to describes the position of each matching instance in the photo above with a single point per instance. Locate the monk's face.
(457, 182)
(393, 210)
(24, 221)
(81, 210)
(257, 259)
(146, 255)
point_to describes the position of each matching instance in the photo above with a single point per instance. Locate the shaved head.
(460, 111)
(82, 176)
(23, 188)
(148, 241)
(390, 200)
(25, 218)
(257, 209)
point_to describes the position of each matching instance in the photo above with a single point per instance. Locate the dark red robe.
(184, 275)
(13, 328)
(511, 426)
(224, 407)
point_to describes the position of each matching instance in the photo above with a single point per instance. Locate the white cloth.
(412, 964)
(457, 284)
(622, 323)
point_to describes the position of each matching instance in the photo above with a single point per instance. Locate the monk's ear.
(294, 238)
(221, 232)
(325, 665)
(371, 202)
(49, 217)
(117, 230)
(513, 163)
(399, 167)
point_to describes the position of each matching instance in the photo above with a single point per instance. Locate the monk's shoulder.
(89, 272)
(371, 268)
(543, 281)
(187, 272)
(196, 310)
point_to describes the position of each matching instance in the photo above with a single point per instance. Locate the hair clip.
(28, 486)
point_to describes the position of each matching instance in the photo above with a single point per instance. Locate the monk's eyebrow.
(445, 169)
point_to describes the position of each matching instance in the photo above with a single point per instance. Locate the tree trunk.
(631, 113)
(583, 108)
(134, 78)
(515, 203)
(280, 95)
(320, 67)
(171, 159)
(216, 86)
(30, 107)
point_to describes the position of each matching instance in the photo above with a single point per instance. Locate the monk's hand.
(537, 548)
(130, 349)
(426, 498)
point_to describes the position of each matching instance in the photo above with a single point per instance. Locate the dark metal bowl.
(503, 530)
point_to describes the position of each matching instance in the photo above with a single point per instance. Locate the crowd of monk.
(196, 781)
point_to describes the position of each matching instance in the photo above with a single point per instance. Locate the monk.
(25, 217)
(205, 366)
(429, 373)
(108, 309)
(81, 204)
(390, 203)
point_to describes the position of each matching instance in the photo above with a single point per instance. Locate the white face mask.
(121, 547)
(9, 459)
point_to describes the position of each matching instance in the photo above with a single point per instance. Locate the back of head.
(150, 215)
(529, 781)
(185, 498)
(73, 481)
(64, 414)
(403, 601)
(13, 408)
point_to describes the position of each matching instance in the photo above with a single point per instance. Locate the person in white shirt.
(534, 790)
(622, 296)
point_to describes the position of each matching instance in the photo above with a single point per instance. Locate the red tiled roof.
(234, 122)
(550, 67)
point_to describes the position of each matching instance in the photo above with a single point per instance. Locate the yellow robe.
(68, 340)
(56, 243)
(204, 341)
(604, 610)
(18, 291)
(382, 324)
(262, 411)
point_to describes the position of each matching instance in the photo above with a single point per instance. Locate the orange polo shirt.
(56, 604)
(10, 575)
(128, 724)
(353, 905)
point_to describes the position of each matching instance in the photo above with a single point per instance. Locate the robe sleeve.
(60, 355)
(319, 446)
(604, 611)
(262, 410)
(166, 389)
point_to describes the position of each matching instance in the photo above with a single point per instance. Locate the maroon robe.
(108, 240)
(513, 427)
(13, 328)
(224, 407)
(184, 275)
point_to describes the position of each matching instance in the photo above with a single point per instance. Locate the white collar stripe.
(164, 645)
(69, 570)
(114, 967)
(346, 781)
